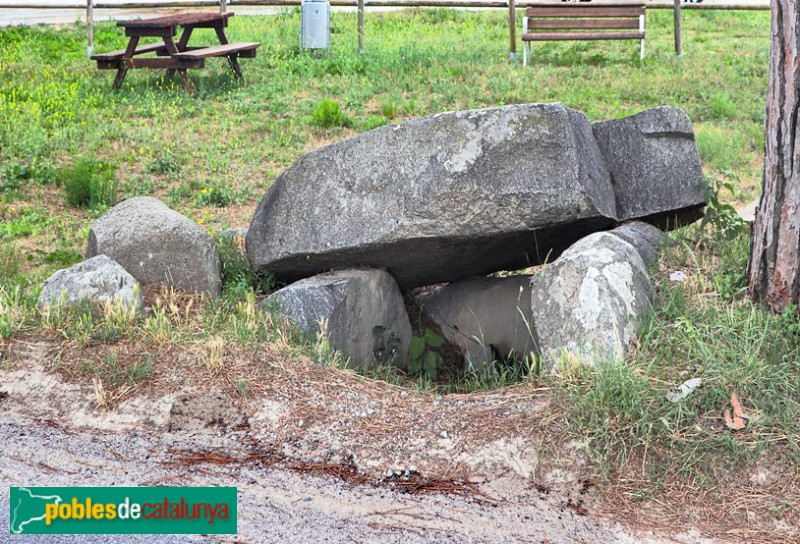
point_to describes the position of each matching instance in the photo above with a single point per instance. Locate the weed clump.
(238, 278)
(329, 114)
(10, 262)
(89, 183)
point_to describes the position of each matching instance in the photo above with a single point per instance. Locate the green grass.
(621, 412)
(212, 155)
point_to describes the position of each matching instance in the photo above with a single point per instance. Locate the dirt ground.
(324, 455)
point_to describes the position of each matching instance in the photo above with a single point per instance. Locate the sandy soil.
(330, 457)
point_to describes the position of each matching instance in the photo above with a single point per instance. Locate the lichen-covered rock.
(589, 303)
(99, 279)
(363, 311)
(488, 318)
(439, 199)
(157, 245)
(644, 237)
(654, 166)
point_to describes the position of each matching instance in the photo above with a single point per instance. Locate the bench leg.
(526, 50)
(641, 29)
(524, 43)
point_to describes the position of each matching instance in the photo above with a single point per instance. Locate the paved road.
(54, 16)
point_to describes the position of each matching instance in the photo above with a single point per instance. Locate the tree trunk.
(774, 266)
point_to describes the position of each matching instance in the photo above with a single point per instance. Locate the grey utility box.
(315, 26)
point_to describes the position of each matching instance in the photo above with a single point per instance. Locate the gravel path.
(276, 504)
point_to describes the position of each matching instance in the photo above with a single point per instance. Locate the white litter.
(678, 275)
(680, 392)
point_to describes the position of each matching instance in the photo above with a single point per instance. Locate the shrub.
(329, 114)
(89, 183)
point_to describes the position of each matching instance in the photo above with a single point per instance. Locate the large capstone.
(99, 280)
(361, 313)
(157, 245)
(488, 318)
(588, 304)
(433, 200)
(654, 165)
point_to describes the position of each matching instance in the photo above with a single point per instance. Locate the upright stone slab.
(487, 318)
(590, 301)
(433, 200)
(363, 310)
(157, 245)
(654, 165)
(644, 237)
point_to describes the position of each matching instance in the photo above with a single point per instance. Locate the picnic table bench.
(170, 55)
(568, 21)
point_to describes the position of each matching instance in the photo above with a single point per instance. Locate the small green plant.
(139, 371)
(89, 183)
(165, 163)
(238, 278)
(422, 359)
(389, 109)
(25, 222)
(720, 216)
(11, 310)
(81, 329)
(10, 262)
(242, 388)
(12, 175)
(329, 114)
(216, 195)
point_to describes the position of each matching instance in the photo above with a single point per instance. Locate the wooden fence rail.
(741, 6)
(511, 5)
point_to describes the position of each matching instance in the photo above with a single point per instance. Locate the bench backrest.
(594, 17)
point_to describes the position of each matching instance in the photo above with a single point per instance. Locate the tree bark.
(774, 266)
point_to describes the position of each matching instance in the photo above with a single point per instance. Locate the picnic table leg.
(172, 48)
(233, 60)
(123, 69)
(181, 45)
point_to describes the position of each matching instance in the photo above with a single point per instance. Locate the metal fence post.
(89, 27)
(223, 6)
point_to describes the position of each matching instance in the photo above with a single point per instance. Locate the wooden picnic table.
(171, 55)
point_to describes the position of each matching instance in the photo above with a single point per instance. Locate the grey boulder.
(588, 304)
(486, 317)
(157, 245)
(645, 238)
(99, 279)
(654, 166)
(363, 311)
(233, 233)
(438, 199)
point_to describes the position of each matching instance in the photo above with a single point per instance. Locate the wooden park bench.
(170, 55)
(568, 21)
